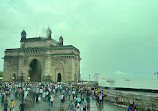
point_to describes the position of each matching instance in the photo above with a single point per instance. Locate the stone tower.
(23, 35)
(60, 40)
(48, 33)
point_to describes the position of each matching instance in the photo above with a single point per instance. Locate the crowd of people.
(6, 90)
(79, 97)
(132, 107)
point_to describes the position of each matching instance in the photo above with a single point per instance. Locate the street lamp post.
(14, 77)
(29, 79)
(96, 75)
(89, 81)
(22, 79)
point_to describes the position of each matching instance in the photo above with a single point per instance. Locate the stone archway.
(59, 77)
(35, 71)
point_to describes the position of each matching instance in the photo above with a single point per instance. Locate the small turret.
(60, 40)
(23, 35)
(48, 33)
(23, 38)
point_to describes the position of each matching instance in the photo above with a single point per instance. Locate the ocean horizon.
(132, 82)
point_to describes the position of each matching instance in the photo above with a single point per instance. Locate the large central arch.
(35, 71)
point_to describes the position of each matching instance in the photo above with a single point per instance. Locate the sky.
(116, 38)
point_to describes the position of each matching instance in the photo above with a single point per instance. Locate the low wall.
(144, 101)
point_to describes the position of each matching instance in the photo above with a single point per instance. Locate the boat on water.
(127, 80)
(110, 81)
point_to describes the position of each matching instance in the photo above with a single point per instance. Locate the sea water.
(142, 82)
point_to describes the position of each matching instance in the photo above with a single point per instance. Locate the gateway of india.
(41, 58)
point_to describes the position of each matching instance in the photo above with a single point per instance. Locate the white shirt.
(78, 107)
(51, 99)
(47, 93)
(61, 96)
(25, 94)
(73, 92)
(44, 95)
(41, 90)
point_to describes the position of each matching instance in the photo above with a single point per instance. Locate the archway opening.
(59, 77)
(35, 71)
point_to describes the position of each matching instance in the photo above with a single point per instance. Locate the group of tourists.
(5, 93)
(78, 97)
(132, 107)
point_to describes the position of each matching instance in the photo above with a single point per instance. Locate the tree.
(1, 74)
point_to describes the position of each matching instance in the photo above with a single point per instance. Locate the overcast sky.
(114, 36)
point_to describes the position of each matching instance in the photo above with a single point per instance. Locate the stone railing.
(144, 101)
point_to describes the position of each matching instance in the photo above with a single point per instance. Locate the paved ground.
(43, 106)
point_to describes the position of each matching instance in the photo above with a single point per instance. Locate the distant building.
(42, 58)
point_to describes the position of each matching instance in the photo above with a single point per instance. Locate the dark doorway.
(35, 71)
(59, 77)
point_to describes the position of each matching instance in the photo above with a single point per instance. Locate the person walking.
(88, 102)
(11, 106)
(71, 106)
(0, 96)
(37, 97)
(68, 93)
(102, 96)
(73, 94)
(33, 97)
(25, 94)
(81, 92)
(92, 92)
(76, 93)
(84, 104)
(51, 100)
(2, 99)
(22, 106)
(78, 107)
(62, 101)
(16, 94)
(44, 96)
(6, 105)
(54, 92)
(22, 95)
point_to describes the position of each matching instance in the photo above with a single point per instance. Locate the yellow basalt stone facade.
(42, 58)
